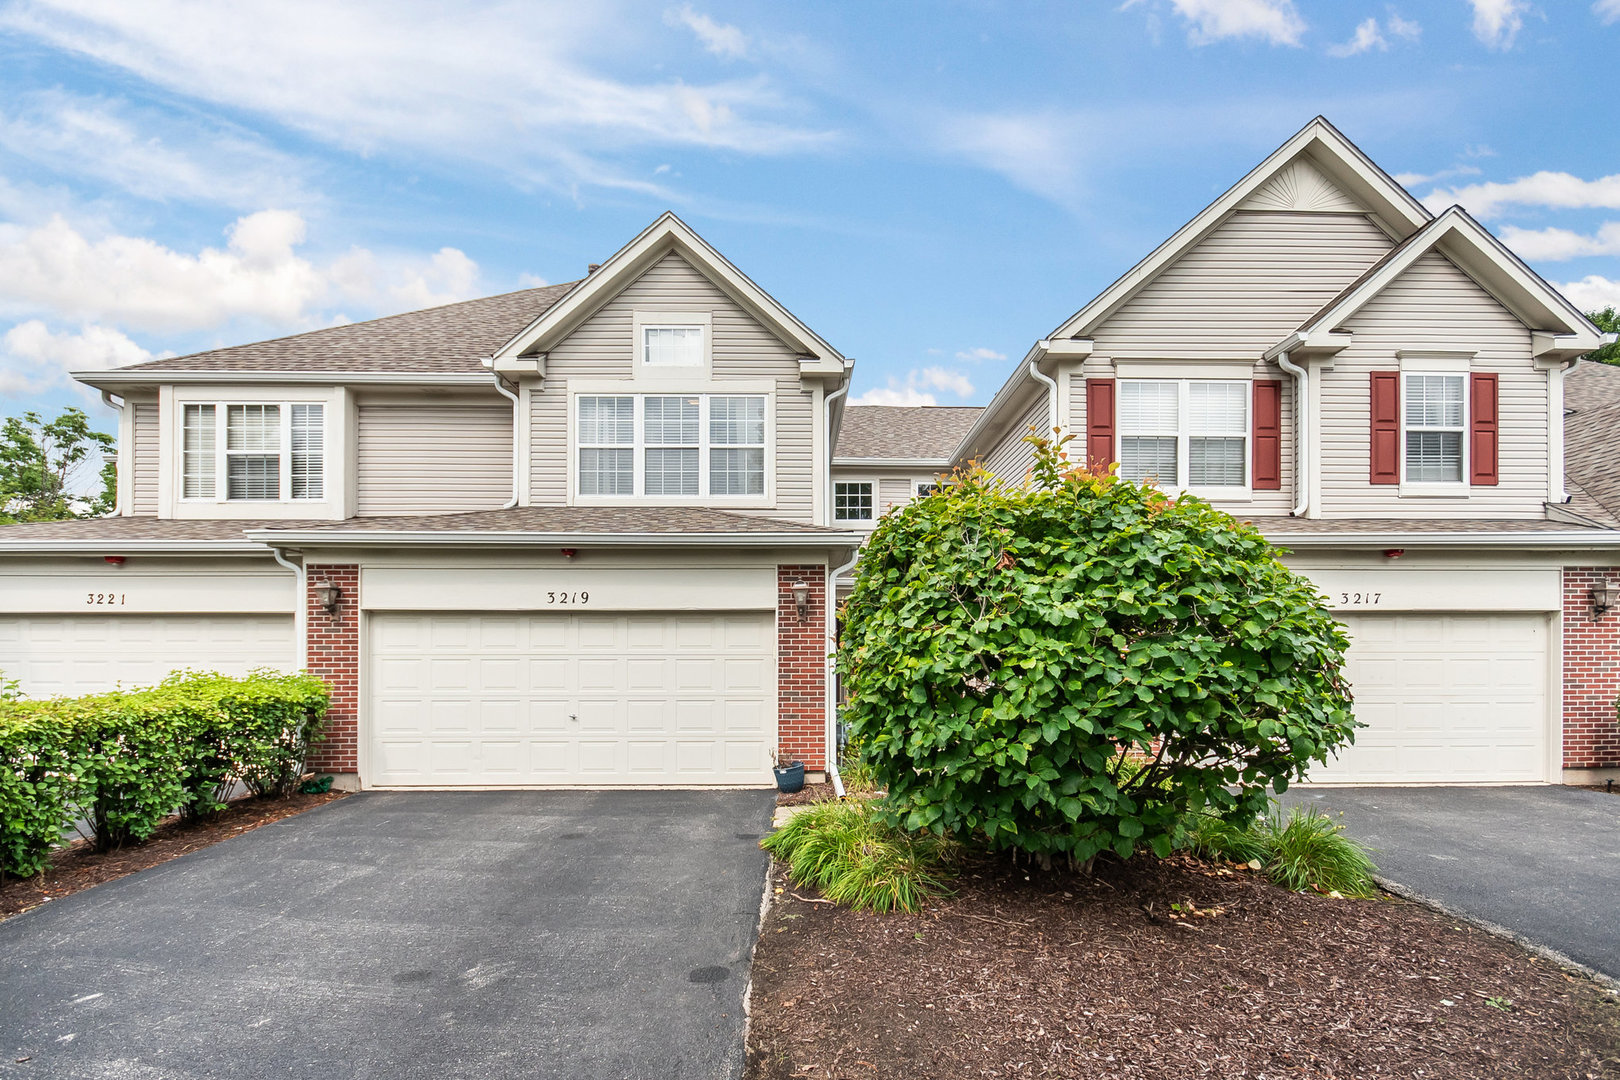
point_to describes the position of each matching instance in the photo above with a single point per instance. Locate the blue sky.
(932, 186)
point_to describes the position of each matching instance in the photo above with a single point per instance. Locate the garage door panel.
(572, 698)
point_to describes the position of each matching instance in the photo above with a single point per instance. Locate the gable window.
(267, 450)
(1435, 420)
(671, 445)
(852, 501)
(672, 346)
(1185, 434)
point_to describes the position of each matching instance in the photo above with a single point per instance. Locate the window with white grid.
(737, 445)
(253, 452)
(852, 501)
(672, 346)
(1185, 434)
(607, 446)
(671, 425)
(199, 460)
(1435, 418)
(308, 444)
(671, 446)
(270, 452)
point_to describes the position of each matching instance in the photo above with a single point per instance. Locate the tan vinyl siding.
(1434, 305)
(602, 348)
(145, 460)
(894, 491)
(431, 458)
(1012, 457)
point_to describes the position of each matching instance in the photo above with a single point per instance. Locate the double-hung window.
(1435, 417)
(670, 445)
(1185, 434)
(269, 452)
(672, 346)
(852, 501)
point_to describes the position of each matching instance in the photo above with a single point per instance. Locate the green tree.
(1075, 665)
(1607, 320)
(43, 467)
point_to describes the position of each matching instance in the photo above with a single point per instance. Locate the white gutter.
(509, 537)
(517, 407)
(942, 464)
(1578, 538)
(323, 378)
(300, 612)
(118, 491)
(1302, 433)
(831, 679)
(827, 402)
(1051, 396)
(114, 545)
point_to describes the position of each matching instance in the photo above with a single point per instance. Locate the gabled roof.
(1468, 244)
(903, 433)
(669, 233)
(1590, 384)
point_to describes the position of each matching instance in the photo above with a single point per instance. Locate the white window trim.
(856, 523)
(643, 320)
(1222, 493)
(1448, 365)
(918, 485)
(284, 451)
(639, 449)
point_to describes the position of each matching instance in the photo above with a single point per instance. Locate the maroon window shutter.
(1267, 435)
(1386, 427)
(1483, 434)
(1099, 424)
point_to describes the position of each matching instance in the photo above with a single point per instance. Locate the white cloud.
(33, 357)
(1498, 22)
(1038, 152)
(1408, 179)
(1558, 190)
(721, 39)
(894, 395)
(1607, 10)
(1405, 29)
(978, 354)
(953, 382)
(917, 387)
(1555, 245)
(1274, 21)
(1592, 293)
(1368, 36)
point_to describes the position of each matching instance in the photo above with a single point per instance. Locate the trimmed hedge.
(119, 763)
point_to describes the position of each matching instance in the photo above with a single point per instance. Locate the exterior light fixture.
(1394, 553)
(569, 553)
(801, 599)
(114, 560)
(1603, 596)
(328, 596)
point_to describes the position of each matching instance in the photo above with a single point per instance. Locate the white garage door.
(81, 654)
(1446, 699)
(515, 700)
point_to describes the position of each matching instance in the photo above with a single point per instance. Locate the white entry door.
(513, 700)
(1446, 699)
(83, 654)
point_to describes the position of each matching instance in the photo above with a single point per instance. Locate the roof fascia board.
(894, 463)
(987, 420)
(115, 546)
(519, 538)
(1593, 538)
(1328, 149)
(119, 378)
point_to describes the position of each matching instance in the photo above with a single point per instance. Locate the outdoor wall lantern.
(1603, 596)
(328, 596)
(801, 599)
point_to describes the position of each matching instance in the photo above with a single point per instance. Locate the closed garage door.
(81, 654)
(1446, 699)
(514, 700)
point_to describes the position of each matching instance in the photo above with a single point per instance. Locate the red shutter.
(1483, 435)
(1099, 424)
(1386, 428)
(1267, 435)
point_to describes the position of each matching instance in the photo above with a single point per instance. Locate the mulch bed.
(810, 793)
(78, 866)
(1060, 975)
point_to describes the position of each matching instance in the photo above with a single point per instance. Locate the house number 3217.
(101, 599)
(1352, 599)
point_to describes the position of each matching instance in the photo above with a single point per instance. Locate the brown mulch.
(1068, 976)
(808, 794)
(78, 866)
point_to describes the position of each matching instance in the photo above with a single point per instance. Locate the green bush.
(1302, 850)
(121, 762)
(1072, 666)
(846, 850)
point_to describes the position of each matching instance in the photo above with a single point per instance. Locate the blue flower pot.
(790, 778)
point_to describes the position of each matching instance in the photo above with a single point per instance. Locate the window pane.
(737, 421)
(675, 346)
(1218, 408)
(308, 451)
(1149, 408)
(253, 429)
(607, 421)
(607, 472)
(1216, 462)
(672, 472)
(198, 452)
(1434, 401)
(852, 502)
(1434, 457)
(1143, 458)
(672, 421)
(253, 476)
(737, 471)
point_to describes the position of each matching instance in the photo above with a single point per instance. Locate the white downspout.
(118, 492)
(1302, 433)
(1051, 398)
(831, 678)
(300, 615)
(827, 403)
(517, 407)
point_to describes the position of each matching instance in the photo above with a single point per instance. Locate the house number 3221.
(1351, 599)
(104, 598)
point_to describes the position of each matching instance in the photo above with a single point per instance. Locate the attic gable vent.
(1302, 187)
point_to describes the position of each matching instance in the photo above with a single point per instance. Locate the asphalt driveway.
(424, 934)
(1543, 862)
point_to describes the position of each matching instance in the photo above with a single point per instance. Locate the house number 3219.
(101, 599)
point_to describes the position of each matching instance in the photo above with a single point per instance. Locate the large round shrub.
(1074, 665)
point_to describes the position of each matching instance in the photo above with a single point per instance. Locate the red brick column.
(334, 657)
(1591, 673)
(801, 668)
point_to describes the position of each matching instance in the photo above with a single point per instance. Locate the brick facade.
(1591, 673)
(334, 656)
(801, 668)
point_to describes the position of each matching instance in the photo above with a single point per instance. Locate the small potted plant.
(789, 773)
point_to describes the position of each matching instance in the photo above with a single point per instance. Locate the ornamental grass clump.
(846, 850)
(1303, 850)
(1072, 666)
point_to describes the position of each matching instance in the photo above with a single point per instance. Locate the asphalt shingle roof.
(136, 528)
(1351, 527)
(926, 432)
(1589, 384)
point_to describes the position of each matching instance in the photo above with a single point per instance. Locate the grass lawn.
(1062, 975)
